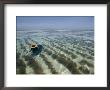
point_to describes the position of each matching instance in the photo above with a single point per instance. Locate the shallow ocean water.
(64, 52)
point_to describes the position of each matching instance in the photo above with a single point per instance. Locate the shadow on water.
(30, 59)
(35, 65)
(37, 50)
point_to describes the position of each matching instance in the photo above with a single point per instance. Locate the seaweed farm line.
(63, 52)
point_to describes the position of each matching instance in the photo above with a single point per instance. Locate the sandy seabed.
(64, 52)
